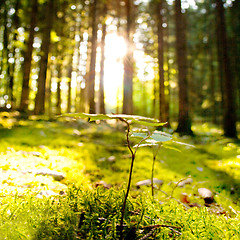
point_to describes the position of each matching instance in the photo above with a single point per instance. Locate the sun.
(115, 50)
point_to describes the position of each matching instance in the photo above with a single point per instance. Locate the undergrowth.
(87, 154)
(95, 214)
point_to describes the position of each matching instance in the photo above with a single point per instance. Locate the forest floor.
(43, 158)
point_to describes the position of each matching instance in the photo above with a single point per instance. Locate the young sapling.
(129, 120)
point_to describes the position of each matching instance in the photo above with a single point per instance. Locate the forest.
(119, 119)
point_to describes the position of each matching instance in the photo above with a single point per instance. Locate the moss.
(76, 150)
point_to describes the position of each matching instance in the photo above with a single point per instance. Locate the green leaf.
(139, 134)
(134, 118)
(160, 137)
(146, 145)
(92, 117)
(171, 148)
(152, 124)
(184, 144)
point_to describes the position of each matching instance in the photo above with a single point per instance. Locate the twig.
(160, 225)
(133, 154)
(185, 205)
(148, 234)
(181, 180)
(153, 164)
(154, 227)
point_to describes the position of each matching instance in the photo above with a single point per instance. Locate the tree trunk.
(101, 87)
(162, 113)
(12, 65)
(49, 89)
(27, 59)
(128, 62)
(40, 96)
(167, 97)
(229, 111)
(5, 50)
(184, 122)
(220, 63)
(92, 72)
(235, 20)
(69, 100)
(59, 79)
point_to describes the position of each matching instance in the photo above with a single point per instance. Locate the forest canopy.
(177, 61)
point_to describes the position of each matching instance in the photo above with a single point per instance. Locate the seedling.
(129, 120)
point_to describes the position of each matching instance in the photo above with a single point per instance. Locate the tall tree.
(159, 9)
(235, 43)
(5, 53)
(229, 111)
(61, 48)
(28, 58)
(46, 41)
(92, 72)
(184, 121)
(59, 82)
(128, 61)
(101, 87)
(79, 29)
(16, 23)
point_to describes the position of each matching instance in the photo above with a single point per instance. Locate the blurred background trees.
(174, 60)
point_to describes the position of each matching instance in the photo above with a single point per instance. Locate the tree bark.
(92, 72)
(229, 111)
(128, 62)
(69, 72)
(46, 41)
(162, 113)
(16, 22)
(5, 64)
(235, 49)
(27, 59)
(184, 121)
(101, 87)
(59, 79)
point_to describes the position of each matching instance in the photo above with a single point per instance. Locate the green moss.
(80, 151)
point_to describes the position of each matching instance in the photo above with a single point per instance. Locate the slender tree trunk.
(128, 62)
(168, 99)
(27, 59)
(184, 122)
(12, 65)
(92, 73)
(101, 88)
(40, 96)
(49, 89)
(220, 62)
(162, 113)
(229, 111)
(6, 50)
(76, 66)
(69, 100)
(84, 92)
(59, 79)
(235, 49)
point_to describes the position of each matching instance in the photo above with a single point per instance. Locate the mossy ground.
(81, 152)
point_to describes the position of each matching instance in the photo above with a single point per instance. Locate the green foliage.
(77, 149)
(144, 121)
(95, 214)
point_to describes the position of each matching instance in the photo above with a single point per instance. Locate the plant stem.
(153, 165)
(129, 179)
(133, 154)
(154, 158)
